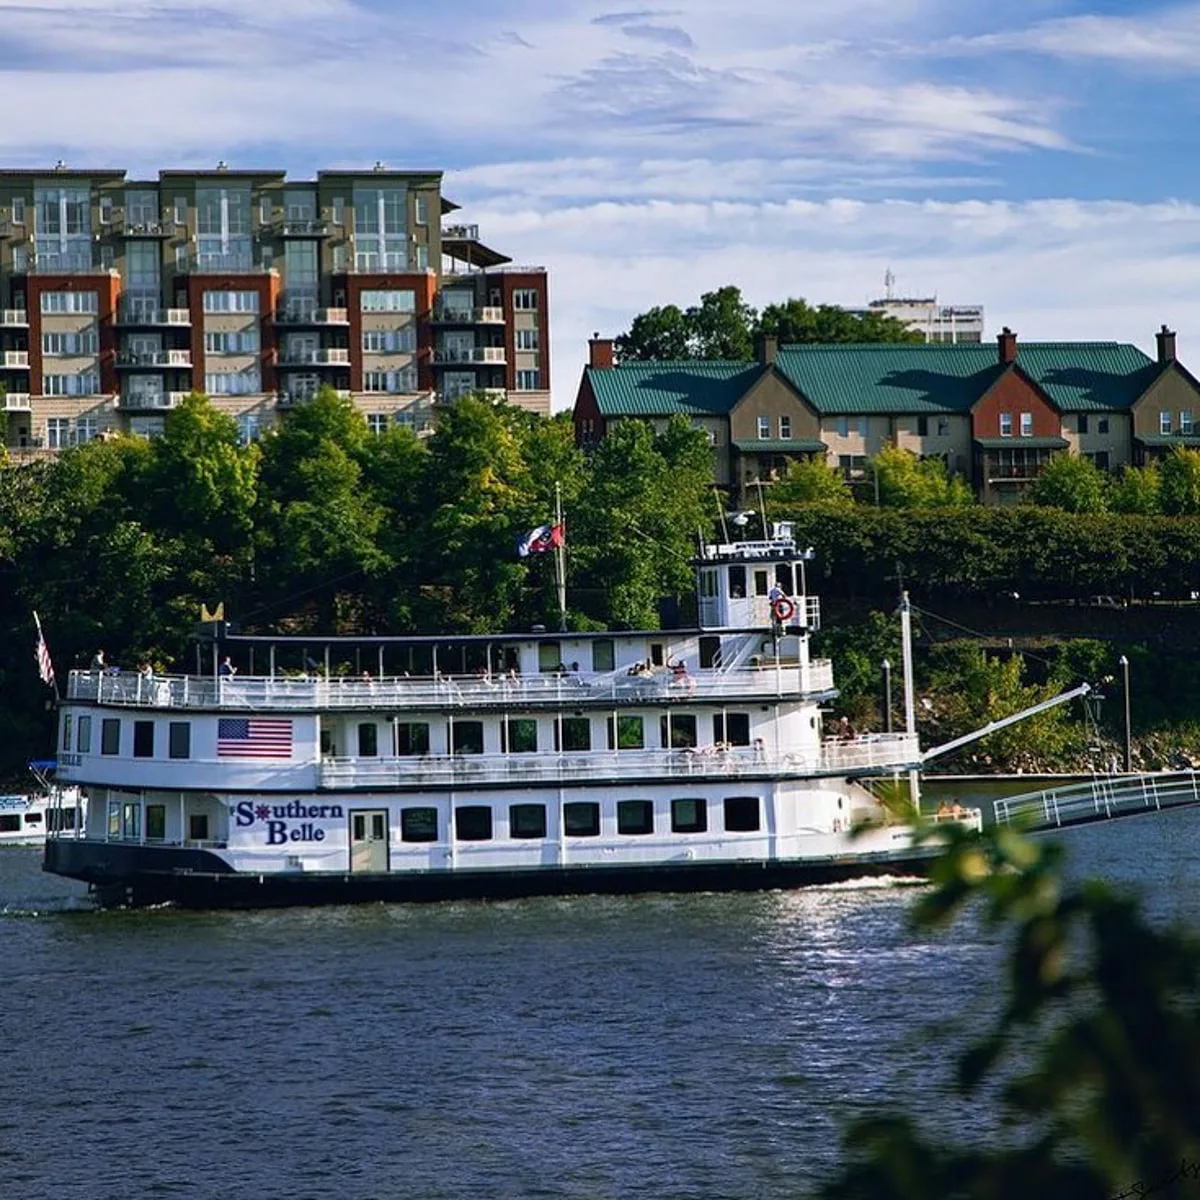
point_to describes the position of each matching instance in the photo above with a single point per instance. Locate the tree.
(808, 481)
(1072, 483)
(903, 480)
(1138, 490)
(722, 325)
(795, 321)
(1179, 489)
(657, 335)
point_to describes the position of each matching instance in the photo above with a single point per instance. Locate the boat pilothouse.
(302, 770)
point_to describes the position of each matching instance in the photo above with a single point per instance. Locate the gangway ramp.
(1103, 798)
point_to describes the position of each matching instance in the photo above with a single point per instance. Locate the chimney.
(1007, 341)
(600, 351)
(1166, 345)
(766, 348)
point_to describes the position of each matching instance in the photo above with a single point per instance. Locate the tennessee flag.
(541, 539)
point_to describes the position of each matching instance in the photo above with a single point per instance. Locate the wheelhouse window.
(732, 728)
(110, 735)
(412, 737)
(473, 823)
(689, 816)
(179, 739)
(467, 738)
(742, 814)
(518, 735)
(549, 657)
(83, 739)
(603, 658)
(630, 733)
(527, 820)
(573, 733)
(581, 818)
(737, 582)
(635, 817)
(677, 731)
(143, 739)
(419, 825)
(66, 731)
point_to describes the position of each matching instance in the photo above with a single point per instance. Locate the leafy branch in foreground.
(1102, 1095)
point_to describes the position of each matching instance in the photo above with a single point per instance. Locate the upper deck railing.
(299, 693)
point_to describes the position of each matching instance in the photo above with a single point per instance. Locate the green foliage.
(795, 321)
(722, 325)
(657, 335)
(1094, 1059)
(1179, 489)
(1138, 490)
(808, 481)
(906, 481)
(1072, 483)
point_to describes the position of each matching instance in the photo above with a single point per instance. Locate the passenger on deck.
(226, 670)
(98, 663)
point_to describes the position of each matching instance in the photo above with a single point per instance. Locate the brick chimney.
(1007, 341)
(600, 351)
(766, 347)
(1166, 345)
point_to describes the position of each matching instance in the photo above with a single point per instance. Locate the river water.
(700, 1046)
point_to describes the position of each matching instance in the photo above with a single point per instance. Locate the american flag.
(42, 654)
(254, 737)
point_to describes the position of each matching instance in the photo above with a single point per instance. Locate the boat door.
(369, 840)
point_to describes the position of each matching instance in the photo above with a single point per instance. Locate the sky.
(1040, 157)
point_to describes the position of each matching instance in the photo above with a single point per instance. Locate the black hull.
(136, 876)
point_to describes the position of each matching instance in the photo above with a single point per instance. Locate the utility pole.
(1124, 663)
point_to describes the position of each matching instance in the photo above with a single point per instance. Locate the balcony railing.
(15, 358)
(155, 229)
(312, 316)
(495, 395)
(141, 317)
(327, 356)
(491, 315)
(466, 233)
(473, 356)
(304, 228)
(154, 358)
(67, 265)
(17, 402)
(223, 264)
(152, 402)
(14, 318)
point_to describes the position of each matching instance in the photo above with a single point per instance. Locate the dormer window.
(1006, 424)
(1164, 423)
(1027, 424)
(764, 427)
(785, 429)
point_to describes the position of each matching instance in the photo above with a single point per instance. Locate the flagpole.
(560, 559)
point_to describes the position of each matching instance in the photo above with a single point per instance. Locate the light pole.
(1124, 663)
(887, 696)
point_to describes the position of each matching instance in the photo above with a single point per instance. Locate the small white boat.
(26, 819)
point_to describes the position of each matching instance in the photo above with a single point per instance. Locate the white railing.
(154, 358)
(254, 693)
(16, 358)
(1100, 799)
(328, 356)
(154, 316)
(488, 315)
(468, 354)
(17, 401)
(156, 401)
(14, 316)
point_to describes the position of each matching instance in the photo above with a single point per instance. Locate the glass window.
(468, 738)
(1006, 425)
(741, 814)
(473, 823)
(368, 740)
(412, 737)
(785, 429)
(10, 823)
(631, 733)
(56, 303)
(689, 816)
(1027, 424)
(529, 381)
(66, 731)
(527, 339)
(110, 735)
(764, 427)
(549, 656)
(1083, 423)
(83, 740)
(392, 300)
(678, 732)
(421, 210)
(114, 819)
(525, 298)
(230, 302)
(1102, 425)
(581, 818)
(1185, 422)
(198, 827)
(732, 728)
(519, 735)
(576, 733)
(131, 821)
(179, 739)
(419, 825)
(143, 739)
(1164, 422)
(156, 822)
(635, 816)
(943, 426)
(527, 820)
(603, 655)
(18, 210)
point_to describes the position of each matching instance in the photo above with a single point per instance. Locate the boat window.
(761, 583)
(419, 825)
(732, 728)
(198, 827)
(473, 823)
(156, 822)
(708, 584)
(368, 740)
(33, 818)
(678, 731)
(549, 656)
(66, 731)
(10, 823)
(635, 816)
(519, 735)
(114, 819)
(143, 739)
(581, 818)
(179, 739)
(631, 733)
(110, 735)
(741, 814)
(710, 652)
(737, 582)
(83, 735)
(689, 816)
(468, 738)
(576, 733)
(326, 742)
(603, 658)
(527, 820)
(131, 822)
(412, 737)
(783, 577)
(656, 654)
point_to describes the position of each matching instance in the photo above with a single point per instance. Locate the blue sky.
(1039, 157)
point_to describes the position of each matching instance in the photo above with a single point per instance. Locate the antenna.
(889, 283)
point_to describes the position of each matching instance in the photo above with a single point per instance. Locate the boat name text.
(278, 819)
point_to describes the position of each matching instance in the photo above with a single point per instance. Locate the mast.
(910, 707)
(560, 559)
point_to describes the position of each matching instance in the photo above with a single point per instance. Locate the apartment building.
(994, 414)
(118, 296)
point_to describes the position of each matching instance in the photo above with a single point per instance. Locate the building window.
(1027, 424)
(75, 344)
(58, 433)
(420, 210)
(785, 429)
(1102, 425)
(922, 427)
(473, 823)
(741, 814)
(338, 210)
(518, 735)
(85, 384)
(1185, 422)
(1006, 424)
(525, 298)
(246, 341)
(843, 426)
(179, 739)
(231, 302)
(1082, 423)
(18, 210)
(248, 428)
(689, 816)
(394, 383)
(678, 731)
(764, 427)
(106, 210)
(377, 423)
(468, 738)
(83, 736)
(527, 339)
(1164, 422)
(581, 818)
(412, 737)
(390, 341)
(630, 733)
(732, 728)
(419, 825)
(72, 303)
(233, 383)
(602, 655)
(110, 735)
(393, 300)
(1100, 458)
(143, 739)
(943, 426)
(527, 820)
(635, 817)
(529, 381)
(573, 733)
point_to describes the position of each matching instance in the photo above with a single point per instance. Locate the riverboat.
(25, 819)
(343, 770)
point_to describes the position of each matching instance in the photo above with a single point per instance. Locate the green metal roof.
(778, 446)
(1168, 439)
(664, 388)
(1088, 376)
(1022, 443)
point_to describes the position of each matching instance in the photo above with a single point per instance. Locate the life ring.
(783, 609)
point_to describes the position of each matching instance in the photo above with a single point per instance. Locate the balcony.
(309, 228)
(151, 318)
(312, 316)
(325, 357)
(468, 316)
(17, 402)
(221, 264)
(151, 401)
(148, 229)
(469, 356)
(154, 358)
(15, 358)
(14, 318)
(492, 394)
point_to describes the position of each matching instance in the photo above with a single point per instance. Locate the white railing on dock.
(265, 693)
(880, 751)
(1100, 799)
